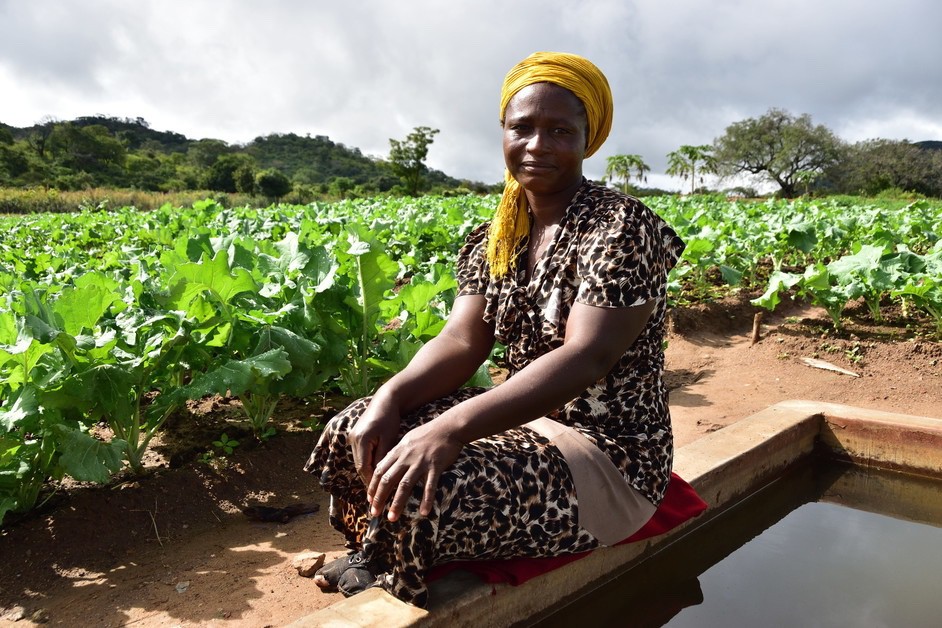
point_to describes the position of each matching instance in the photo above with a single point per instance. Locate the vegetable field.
(111, 321)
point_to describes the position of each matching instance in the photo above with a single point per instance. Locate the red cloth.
(680, 503)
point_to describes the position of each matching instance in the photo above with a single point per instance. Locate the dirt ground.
(173, 548)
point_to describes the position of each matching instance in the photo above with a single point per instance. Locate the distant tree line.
(100, 151)
(800, 158)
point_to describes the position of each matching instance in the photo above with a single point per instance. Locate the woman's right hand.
(440, 367)
(374, 434)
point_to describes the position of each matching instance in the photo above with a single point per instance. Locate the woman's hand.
(440, 367)
(420, 458)
(373, 436)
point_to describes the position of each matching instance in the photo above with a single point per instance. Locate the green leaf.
(189, 298)
(81, 308)
(730, 275)
(8, 328)
(26, 354)
(803, 237)
(423, 303)
(86, 458)
(779, 282)
(376, 274)
(101, 392)
(214, 276)
(697, 248)
(238, 376)
(865, 261)
(301, 351)
(41, 330)
(99, 280)
(482, 376)
(7, 504)
(26, 404)
(293, 255)
(321, 269)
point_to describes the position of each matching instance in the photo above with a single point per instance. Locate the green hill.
(95, 151)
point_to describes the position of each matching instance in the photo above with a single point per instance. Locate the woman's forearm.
(447, 361)
(595, 340)
(440, 367)
(546, 384)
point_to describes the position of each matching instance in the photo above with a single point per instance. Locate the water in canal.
(827, 545)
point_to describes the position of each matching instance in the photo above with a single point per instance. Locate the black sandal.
(356, 579)
(328, 577)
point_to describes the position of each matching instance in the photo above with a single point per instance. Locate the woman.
(574, 449)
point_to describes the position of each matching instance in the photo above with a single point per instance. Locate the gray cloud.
(364, 71)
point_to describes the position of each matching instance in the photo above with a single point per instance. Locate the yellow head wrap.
(577, 74)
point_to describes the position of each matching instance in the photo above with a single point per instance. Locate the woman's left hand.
(421, 456)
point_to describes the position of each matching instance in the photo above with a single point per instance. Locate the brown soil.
(173, 548)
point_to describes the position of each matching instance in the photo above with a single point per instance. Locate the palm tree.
(623, 167)
(683, 162)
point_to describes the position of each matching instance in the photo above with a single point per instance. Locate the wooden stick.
(756, 327)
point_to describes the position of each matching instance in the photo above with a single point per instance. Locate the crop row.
(119, 318)
(826, 252)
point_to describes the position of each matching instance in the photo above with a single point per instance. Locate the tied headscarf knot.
(511, 222)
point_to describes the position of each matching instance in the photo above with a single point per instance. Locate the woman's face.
(545, 138)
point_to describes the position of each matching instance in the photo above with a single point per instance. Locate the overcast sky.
(364, 71)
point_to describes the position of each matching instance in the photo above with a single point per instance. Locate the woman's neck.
(549, 209)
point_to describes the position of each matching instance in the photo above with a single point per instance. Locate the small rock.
(39, 616)
(183, 586)
(15, 613)
(308, 562)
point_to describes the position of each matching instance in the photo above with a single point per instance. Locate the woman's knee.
(344, 420)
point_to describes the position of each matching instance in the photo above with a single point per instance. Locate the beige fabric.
(609, 508)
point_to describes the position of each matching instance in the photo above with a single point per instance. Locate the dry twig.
(756, 327)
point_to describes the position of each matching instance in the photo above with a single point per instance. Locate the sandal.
(328, 577)
(356, 579)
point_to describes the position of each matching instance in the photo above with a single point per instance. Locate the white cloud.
(363, 71)
(899, 124)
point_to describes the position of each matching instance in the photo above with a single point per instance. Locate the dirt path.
(173, 549)
(718, 376)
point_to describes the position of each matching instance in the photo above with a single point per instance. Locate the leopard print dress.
(512, 494)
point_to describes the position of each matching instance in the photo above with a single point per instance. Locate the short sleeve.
(624, 257)
(472, 270)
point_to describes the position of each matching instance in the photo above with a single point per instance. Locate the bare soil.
(172, 548)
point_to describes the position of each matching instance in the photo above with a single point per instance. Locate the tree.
(244, 177)
(623, 167)
(39, 135)
(875, 165)
(204, 153)
(341, 186)
(14, 162)
(272, 183)
(91, 149)
(687, 161)
(143, 172)
(407, 157)
(777, 147)
(231, 173)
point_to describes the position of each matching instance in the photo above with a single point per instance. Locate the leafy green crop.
(110, 321)
(823, 251)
